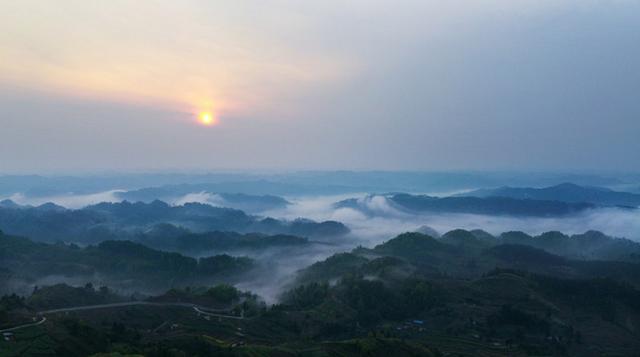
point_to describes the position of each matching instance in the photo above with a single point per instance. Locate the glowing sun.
(207, 118)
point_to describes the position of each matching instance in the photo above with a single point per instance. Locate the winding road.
(24, 326)
(131, 303)
(201, 310)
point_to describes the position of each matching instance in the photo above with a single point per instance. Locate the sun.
(206, 118)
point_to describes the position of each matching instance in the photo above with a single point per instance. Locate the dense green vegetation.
(465, 293)
(561, 306)
(62, 295)
(123, 263)
(171, 238)
(220, 296)
(591, 245)
(8, 305)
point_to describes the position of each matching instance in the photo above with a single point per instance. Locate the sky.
(363, 84)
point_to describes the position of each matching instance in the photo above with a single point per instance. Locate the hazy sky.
(362, 84)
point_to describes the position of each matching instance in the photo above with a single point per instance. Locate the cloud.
(371, 230)
(72, 201)
(192, 55)
(277, 267)
(430, 85)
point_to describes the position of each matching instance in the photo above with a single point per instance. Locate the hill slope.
(566, 192)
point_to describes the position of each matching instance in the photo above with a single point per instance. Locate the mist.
(277, 267)
(389, 222)
(280, 266)
(71, 201)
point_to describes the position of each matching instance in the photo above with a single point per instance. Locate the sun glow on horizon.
(207, 118)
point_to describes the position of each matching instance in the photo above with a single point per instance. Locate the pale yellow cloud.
(240, 57)
(187, 55)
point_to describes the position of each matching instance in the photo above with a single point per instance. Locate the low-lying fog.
(389, 222)
(71, 201)
(277, 266)
(369, 231)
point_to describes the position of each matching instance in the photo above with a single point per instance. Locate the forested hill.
(122, 263)
(120, 220)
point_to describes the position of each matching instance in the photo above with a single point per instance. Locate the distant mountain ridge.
(106, 221)
(8, 203)
(380, 205)
(295, 183)
(565, 192)
(246, 202)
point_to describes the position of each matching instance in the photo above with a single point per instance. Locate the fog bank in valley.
(388, 221)
(277, 266)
